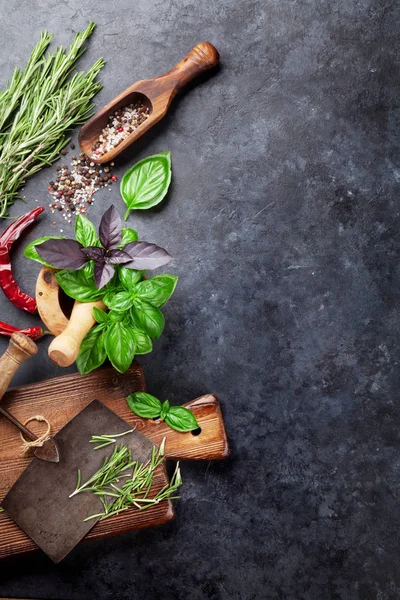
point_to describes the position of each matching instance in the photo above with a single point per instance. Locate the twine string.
(28, 444)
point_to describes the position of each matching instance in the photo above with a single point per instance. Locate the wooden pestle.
(20, 348)
(64, 349)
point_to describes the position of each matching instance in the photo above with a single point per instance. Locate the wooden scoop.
(156, 94)
(19, 350)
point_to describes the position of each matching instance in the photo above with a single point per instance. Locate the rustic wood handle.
(20, 348)
(211, 443)
(64, 349)
(201, 58)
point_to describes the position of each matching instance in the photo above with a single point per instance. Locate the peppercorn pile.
(120, 125)
(76, 185)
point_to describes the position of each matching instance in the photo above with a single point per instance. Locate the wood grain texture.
(64, 349)
(157, 94)
(20, 348)
(60, 399)
(48, 301)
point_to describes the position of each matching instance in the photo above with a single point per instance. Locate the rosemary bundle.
(122, 482)
(37, 110)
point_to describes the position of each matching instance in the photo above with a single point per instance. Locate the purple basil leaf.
(103, 273)
(117, 257)
(110, 230)
(146, 256)
(95, 253)
(63, 254)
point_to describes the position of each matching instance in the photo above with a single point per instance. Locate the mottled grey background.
(283, 219)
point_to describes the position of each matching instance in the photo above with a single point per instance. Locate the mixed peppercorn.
(75, 186)
(120, 125)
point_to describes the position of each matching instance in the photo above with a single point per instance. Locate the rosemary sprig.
(106, 440)
(119, 461)
(44, 103)
(21, 80)
(134, 490)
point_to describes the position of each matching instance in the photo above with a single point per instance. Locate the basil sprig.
(129, 326)
(148, 406)
(111, 267)
(146, 183)
(116, 245)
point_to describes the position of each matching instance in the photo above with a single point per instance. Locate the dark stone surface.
(284, 222)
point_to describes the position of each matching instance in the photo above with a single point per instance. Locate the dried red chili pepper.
(7, 280)
(32, 332)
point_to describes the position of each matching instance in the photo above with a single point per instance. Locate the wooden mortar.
(69, 333)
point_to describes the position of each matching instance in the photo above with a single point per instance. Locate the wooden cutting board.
(60, 399)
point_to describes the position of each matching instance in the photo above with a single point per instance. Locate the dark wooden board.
(60, 399)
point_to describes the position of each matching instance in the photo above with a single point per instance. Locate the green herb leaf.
(120, 346)
(157, 290)
(31, 252)
(144, 344)
(85, 231)
(100, 316)
(146, 183)
(129, 277)
(116, 317)
(121, 302)
(79, 286)
(164, 410)
(92, 352)
(181, 419)
(128, 235)
(148, 318)
(144, 405)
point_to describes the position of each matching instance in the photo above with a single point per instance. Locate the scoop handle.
(201, 58)
(20, 348)
(64, 349)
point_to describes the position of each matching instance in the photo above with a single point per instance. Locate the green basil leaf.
(121, 302)
(157, 290)
(88, 269)
(128, 235)
(164, 410)
(116, 317)
(92, 352)
(78, 285)
(100, 316)
(146, 183)
(148, 318)
(31, 252)
(85, 231)
(144, 344)
(144, 405)
(129, 277)
(108, 296)
(120, 346)
(181, 419)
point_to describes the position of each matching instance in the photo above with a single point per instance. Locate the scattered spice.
(74, 186)
(120, 125)
(7, 280)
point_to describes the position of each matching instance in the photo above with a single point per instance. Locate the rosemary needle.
(106, 440)
(37, 110)
(137, 485)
